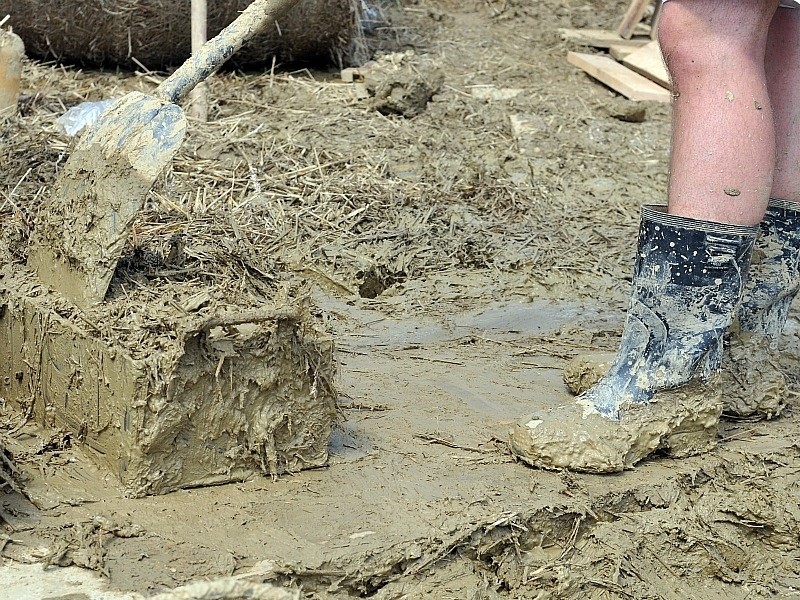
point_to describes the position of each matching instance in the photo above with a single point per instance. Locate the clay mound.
(157, 33)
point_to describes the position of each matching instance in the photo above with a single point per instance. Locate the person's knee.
(699, 36)
(685, 55)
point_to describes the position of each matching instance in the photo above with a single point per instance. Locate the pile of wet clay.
(203, 365)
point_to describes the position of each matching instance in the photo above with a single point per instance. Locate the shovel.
(82, 229)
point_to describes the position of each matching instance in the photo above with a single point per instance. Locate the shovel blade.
(82, 230)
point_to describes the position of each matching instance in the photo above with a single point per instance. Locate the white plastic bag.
(77, 118)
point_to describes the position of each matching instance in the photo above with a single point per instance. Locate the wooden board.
(600, 38)
(647, 61)
(619, 78)
(632, 18)
(618, 51)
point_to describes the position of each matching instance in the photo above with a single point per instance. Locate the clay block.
(225, 398)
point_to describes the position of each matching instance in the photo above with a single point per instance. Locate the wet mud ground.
(495, 260)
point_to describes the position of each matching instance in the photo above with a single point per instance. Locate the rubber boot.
(688, 280)
(754, 382)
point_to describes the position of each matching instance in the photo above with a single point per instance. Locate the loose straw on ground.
(264, 195)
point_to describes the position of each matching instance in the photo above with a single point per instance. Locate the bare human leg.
(753, 379)
(692, 258)
(723, 143)
(783, 81)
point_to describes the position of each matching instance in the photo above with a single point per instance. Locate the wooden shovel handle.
(253, 20)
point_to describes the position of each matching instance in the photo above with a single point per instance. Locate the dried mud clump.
(156, 33)
(402, 83)
(205, 364)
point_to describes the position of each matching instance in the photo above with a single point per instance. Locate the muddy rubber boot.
(659, 392)
(753, 382)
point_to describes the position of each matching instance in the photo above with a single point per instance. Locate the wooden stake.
(654, 20)
(632, 18)
(198, 108)
(11, 52)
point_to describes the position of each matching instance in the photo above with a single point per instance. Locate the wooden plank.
(633, 16)
(600, 38)
(618, 52)
(647, 61)
(619, 78)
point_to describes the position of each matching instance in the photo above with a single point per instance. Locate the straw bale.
(157, 33)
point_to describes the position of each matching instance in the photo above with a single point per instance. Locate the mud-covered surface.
(235, 395)
(461, 264)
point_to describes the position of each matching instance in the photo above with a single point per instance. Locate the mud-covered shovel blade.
(82, 230)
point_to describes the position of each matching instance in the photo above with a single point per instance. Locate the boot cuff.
(659, 214)
(784, 204)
